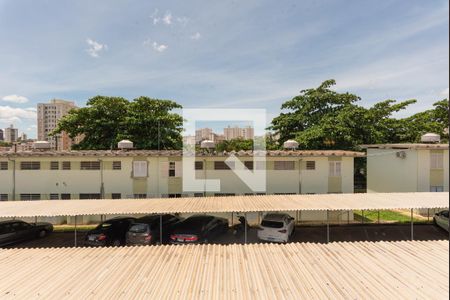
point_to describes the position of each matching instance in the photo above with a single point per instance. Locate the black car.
(110, 232)
(16, 231)
(198, 229)
(146, 230)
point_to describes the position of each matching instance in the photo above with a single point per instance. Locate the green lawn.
(385, 216)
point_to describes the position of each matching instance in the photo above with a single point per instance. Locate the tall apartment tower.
(1, 135)
(48, 115)
(236, 132)
(11, 134)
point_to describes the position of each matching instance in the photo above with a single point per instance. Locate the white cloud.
(183, 20)
(10, 115)
(15, 99)
(95, 48)
(167, 18)
(196, 36)
(159, 47)
(445, 92)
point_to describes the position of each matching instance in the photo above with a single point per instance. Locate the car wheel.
(42, 233)
(116, 243)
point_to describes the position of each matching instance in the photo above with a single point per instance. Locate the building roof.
(262, 203)
(407, 146)
(343, 270)
(171, 153)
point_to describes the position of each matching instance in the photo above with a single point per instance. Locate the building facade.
(407, 168)
(48, 115)
(246, 133)
(11, 134)
(1, 135)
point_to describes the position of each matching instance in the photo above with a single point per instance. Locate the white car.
(441, 219)
(276, 227)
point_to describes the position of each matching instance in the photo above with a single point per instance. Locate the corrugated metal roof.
(174, 153)
(406, 146)
(263, 203)
(361, 270)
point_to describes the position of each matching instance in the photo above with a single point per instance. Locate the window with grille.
(310, 165)
(116, 196)
(436, 189)
(172, 167)
(284, 165)
(87, 196)
(117, 165)
(199, 165)
(65, 196)
(30, 165)
(54, 197)
(140, 196)
(66, 165)
(335, 168)
(3, 165)
(90, 165)
(221, 165)
(30, 196)
(3, 197)
(248, 165)
(54, 165)
(140, 168)
(436, 160)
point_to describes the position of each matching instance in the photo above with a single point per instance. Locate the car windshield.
(139, 228)
(272, 224)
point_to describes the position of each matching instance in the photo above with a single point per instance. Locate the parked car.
(15, 231)
(276, 227)
(198, 229)
(441, 219)
(146, 230)
(111, 232)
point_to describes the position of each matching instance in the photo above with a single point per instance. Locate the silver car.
(441, 219)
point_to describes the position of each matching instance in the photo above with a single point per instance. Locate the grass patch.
(386, 216)
(71, 228)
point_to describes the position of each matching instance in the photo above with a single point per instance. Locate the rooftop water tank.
(41, 145)
(290, 144)
(125, 145)
(430, 138)
(207, 144)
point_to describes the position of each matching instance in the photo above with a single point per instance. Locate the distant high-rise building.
(236, 132)
(1, 135)
(11, 134)
(48, 115)
(203, 134)
(23, 137)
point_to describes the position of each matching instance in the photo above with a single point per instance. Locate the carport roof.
(388, 270)
(262, 203)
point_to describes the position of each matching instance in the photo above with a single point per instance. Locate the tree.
(234, 145)
(107, 120)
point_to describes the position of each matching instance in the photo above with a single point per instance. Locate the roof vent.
(207, 144)
(41, 145)
(430, 138)
(125, 145)
(290, 144)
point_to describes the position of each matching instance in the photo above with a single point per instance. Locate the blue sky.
(219, 54)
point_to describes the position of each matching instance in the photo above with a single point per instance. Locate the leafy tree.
(107, 120)
(234, 145)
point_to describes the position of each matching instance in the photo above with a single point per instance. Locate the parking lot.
(313, 234)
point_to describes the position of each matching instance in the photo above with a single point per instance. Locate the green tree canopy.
(149, 123)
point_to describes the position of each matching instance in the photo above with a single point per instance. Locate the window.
(54, 197)
(90, 165)
(140, 196)
(199, 165)
(172, 169)
(140, 168)
(117, 165)
(198, 194)
(284, 165)
(30, 196)
(248, 165)
(66, 165)
(30, 165)
(3, 165)
(436, 189)
(65, 196)
(436, 160)
(3, 197)
(224, 194)
(89, 196)
(221, 165)
(116, 196)
(310, 165)
(54, 165)
(335, 168)
(174, 195)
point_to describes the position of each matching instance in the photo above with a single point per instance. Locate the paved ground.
(316, 234)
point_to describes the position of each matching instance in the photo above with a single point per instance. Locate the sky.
(219, 54)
